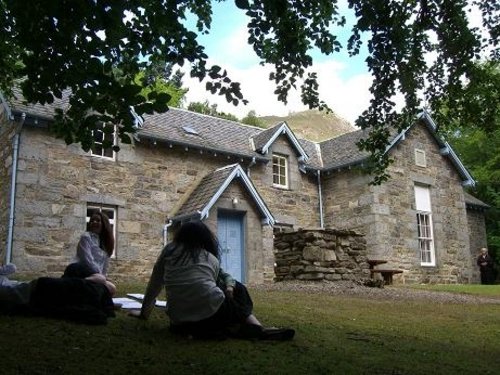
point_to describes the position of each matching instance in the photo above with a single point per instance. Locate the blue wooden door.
(230, 234)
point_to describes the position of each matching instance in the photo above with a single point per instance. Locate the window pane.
(279, 170)
(425, 238)
(99, 137)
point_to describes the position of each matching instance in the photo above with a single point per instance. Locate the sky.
(343, 81)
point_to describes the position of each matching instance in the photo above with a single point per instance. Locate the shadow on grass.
(335, 335)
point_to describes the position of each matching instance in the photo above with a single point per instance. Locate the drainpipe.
(165, 231)
(252, 163)
(320, 200)
(13, 175)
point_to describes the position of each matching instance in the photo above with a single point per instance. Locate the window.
(104, 140)
(424, 226)
(110, 212)
(280, 171)
(420, 159)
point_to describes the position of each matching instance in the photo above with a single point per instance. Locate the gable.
(444, 147)
(211, 188)
(263, 141)
(342, 152)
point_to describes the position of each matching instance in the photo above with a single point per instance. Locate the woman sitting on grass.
(203, 301)
(93, 251)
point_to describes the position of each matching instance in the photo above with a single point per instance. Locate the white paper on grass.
(127, 303)
(140, 297)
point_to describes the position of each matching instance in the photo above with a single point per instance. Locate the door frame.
(240, 216)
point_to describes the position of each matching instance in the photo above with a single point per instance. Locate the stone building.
(245, 182)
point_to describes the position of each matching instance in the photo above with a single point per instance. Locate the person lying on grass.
(85, 301)
(202, 300)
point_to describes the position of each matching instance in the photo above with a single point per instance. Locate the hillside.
(313, 125)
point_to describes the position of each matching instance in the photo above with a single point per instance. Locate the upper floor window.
(424, 226)
(280, 171)
(110, 212)
(104, 140)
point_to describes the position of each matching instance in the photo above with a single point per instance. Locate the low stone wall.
(317, 254)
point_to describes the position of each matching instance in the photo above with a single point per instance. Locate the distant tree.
(476, 139)
(210, 109)
(158, 77)
(53, 45)
(252, 119)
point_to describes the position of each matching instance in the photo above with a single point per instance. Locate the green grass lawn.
(474, 289)
(335, 335)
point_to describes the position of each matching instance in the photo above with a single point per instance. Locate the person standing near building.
(485, 263)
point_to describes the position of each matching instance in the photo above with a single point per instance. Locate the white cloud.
(348, 98)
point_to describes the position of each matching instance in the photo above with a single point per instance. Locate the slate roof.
(207, 192)
(212, 133)
(473, 202)
(194, 130)
(206, 189)
(46, 111)
(342, 150)
(261, 138)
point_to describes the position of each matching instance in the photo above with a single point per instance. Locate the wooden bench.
(386, 274)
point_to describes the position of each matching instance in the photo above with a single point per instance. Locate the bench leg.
(388, 278)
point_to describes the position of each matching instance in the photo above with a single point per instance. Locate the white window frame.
(425, 234)
(425, 239)
(281, 163)
(93, 207)
(99, 135)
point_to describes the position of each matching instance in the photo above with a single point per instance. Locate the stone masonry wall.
(298, 205)
(314, 254)
(7, 131)
(146, 183)
(477, 230)
(387, 214)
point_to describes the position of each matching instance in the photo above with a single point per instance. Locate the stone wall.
(314, 254)
(477, 230)
(145, 183)
(7, 131)
(387, 214)
(298, 205)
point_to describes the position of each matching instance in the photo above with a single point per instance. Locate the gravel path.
(348, 288)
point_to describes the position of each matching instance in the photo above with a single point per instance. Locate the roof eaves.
(238, 172)
(285, 129)
(445, 148)
(203, 148)
(468, 180)
(189, 216)
(345, 165)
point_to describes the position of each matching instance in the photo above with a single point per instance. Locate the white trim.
(468, 179)
(286, 176)
(101, 155)
(423, 207)
(138, 120)
(429, 240)
(284, 129)
(238, 172)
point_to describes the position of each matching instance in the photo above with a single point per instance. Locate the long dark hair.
(194, 236)
(106, 238)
